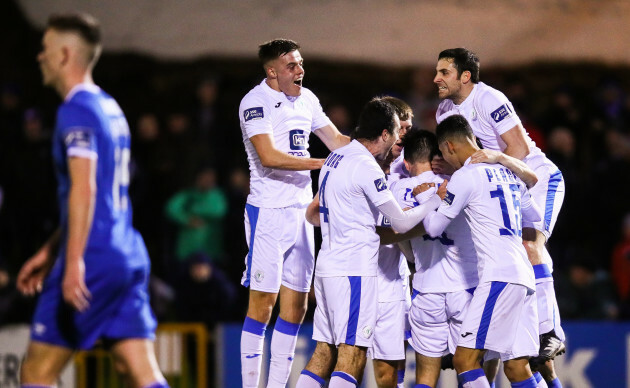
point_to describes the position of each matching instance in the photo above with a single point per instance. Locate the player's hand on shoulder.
(486, 156)
(440, 166)
(75, 292)
(32, 274)
(422, 188)
(441, 191)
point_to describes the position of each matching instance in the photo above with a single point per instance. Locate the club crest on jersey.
(297, 139)
(500, 113)
(380, 184)
(253, 113)
(367, 332)
(449, 197)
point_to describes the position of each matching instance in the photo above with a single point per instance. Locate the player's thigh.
(456, 307)
(43, 363)
(346, 310)
(548, 194)
(493, 316)
(264, 261)
(137, 355)
(299, 253)
(389, 332)
(429, 324)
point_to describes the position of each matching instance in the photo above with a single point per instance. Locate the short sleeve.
(320, 119)
(458, 193)
(77, 127)
(498, 111)
(254, 116)
(373, 183)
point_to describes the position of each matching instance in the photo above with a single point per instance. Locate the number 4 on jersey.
(322, 201)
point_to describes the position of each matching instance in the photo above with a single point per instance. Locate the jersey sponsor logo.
(78, 138)
(380, 184)
(253, 113)
(297, 139)
(500, 113)
(449, 197)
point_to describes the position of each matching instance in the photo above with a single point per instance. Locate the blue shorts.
(119, 307)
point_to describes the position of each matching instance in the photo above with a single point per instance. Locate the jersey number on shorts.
(516, 203)
(322, 201)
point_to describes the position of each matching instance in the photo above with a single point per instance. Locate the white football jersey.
(492, 197)
(489, 113)
(392, 264)
(351, 187)
(397, 169)
(446, 263)
(264, 110)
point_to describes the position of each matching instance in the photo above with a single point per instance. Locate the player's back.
(351, 185)
(494, 197)
(91, 124)
(445, 263)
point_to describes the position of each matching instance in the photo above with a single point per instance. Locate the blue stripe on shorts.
(252, 214)
(554, 181)
(355, 307)
(486, 316)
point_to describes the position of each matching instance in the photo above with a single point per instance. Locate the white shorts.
(501, 317)
(436, 319)
(548, 194)
(407, 293)
(281, 249)
(346, 310)
(389, 331)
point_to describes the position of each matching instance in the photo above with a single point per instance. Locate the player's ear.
(465, 76)
(385, 134)
(407, 164)
(65, 55)
(271, 72)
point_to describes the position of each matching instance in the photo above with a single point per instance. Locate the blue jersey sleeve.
(77, 127)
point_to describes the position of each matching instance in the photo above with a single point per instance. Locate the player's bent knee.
(386, 373)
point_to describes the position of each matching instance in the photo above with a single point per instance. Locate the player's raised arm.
(516, 144)
(81, 202)
(271, 157)
(331, 136)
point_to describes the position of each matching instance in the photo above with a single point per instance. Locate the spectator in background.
(620, 268)
(198, 213)
(14, 308)
(203, 292)
(339, 114)
(585, 292)
(145, 186)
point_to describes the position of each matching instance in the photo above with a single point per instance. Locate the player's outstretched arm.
(81, 202)
(517, 166)
(403, 221)
(516, 145)
(35, 269)
(271, 157)
(331, 136)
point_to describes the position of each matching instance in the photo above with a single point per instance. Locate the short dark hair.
(276, 48)
(420, 145)
(86, 26)
(377, 114)
(453, 127)
(463, 60)
(403, 110)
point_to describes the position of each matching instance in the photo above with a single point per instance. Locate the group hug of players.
(471, 206)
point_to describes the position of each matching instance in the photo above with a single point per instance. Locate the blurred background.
(179, 70)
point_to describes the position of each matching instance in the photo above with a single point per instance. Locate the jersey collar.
(88, 87)
(275, 93)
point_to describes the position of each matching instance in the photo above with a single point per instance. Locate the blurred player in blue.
(93, 271)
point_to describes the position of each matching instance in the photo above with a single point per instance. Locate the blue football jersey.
(91, 124)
